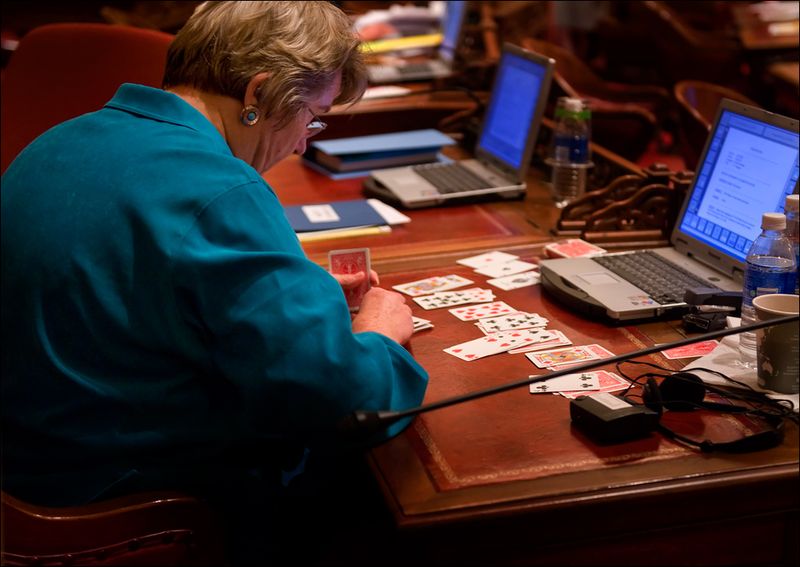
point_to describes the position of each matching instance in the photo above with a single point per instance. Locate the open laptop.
(502, 154)
(439, 67)
(748, 166)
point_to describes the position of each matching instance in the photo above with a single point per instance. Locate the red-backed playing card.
(352, 261)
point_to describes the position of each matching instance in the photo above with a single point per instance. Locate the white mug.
(778, 351)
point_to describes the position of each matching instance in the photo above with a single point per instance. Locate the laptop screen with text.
(451, 29)
(749, 167)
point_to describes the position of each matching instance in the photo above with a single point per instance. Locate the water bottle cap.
(773, 221)
(573, 107)
(792, 203)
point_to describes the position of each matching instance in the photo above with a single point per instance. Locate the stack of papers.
(341, 219)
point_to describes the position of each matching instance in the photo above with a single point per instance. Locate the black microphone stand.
(367, 423)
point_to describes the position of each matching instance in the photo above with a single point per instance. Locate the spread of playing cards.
(501, 328)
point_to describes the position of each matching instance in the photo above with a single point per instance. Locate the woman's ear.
(251, 92)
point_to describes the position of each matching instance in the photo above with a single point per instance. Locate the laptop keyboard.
(664, 281)
(450, 177)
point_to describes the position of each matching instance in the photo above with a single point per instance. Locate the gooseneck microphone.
(364, 424)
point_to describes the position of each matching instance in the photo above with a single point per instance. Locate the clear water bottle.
(570, 156)
(793, 231)
(770, 268)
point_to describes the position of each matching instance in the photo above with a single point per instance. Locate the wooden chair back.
(154, 528)
(60, 71)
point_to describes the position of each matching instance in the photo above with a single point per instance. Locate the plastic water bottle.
(770, 268)
(793, 231)
(570, 157)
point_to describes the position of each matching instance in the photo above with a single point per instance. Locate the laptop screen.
(750, 165)
(513, 107)
(451, 29)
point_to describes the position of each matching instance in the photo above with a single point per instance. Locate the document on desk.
(339, 219)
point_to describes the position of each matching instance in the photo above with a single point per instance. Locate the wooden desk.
(452, 232)
(506, 480)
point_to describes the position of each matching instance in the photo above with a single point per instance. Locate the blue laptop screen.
(748, 170)
(451, 28)
(511, 108)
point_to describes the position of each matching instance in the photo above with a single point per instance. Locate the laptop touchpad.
(598, 278)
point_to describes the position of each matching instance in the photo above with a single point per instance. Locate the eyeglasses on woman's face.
(315, 126)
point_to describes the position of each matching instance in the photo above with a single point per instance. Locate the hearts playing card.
(474, 312)
(352, 261)
(496, 343)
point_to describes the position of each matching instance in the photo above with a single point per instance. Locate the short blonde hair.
(302, 45)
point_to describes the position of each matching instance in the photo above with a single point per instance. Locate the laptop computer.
(502, 153)
(439, 67)
(748, 166)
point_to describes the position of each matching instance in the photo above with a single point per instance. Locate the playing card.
(697, 349)
(496, 343)
(562, 357)
(511, 322)
(515, 281)
(609, 382)
(586, 382)
(487, 259)
(505, 269)
(431, 285)
(352, 261)
(559, 339)
(451, 298)
(473, 312)
(573, 248)
(421, 324)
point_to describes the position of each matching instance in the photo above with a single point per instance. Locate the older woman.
(158, 312)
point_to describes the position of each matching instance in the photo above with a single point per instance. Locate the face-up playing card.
(586, 382)
(505, 269)
(473, 312)
(431, 285)
(563, 357)
(487, 259)
(497, 343)
(352, 261)
(516, 281)
(573, 248)
(697, 349)
(451, 298)
(559, 339)
(421, 324)
(609, 382)
(511, 322)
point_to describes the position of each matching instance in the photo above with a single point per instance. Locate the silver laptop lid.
(748, 166)
(512, 119)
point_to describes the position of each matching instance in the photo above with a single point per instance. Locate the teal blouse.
(156, 304)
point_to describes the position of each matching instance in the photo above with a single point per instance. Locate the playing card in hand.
(352, 261)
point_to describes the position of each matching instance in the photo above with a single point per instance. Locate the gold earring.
(250, 115)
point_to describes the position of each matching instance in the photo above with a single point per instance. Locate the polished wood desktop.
(507, 479)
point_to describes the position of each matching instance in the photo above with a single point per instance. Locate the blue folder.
(357, 212)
